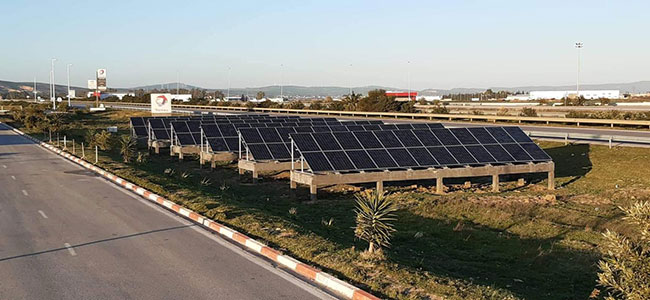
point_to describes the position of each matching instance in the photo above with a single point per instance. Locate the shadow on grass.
(571, 161)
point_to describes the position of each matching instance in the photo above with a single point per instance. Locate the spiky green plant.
(374, 211)
(625, 268)
(127, 147)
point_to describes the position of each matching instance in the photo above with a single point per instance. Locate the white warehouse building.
(587, 94)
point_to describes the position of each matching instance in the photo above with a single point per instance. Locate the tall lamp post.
(409, 78)
(578, 46)
(228, 93)
(282, 81)
(53, 91)
(68, 71)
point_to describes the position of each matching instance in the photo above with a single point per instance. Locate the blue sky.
(448, 43)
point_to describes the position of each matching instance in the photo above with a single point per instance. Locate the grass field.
(523, 243)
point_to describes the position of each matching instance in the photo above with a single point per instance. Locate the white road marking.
(25, 193)
(13, 177)
(42, 214)
(70, 249)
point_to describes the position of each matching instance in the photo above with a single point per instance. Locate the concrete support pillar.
(156, 149)
(521, 182)
(380, 187)
(551, 180)
(440, 188)
(255, 176)
(293, 185)
(213, 163)
(312, 192)
(180, 155)
(495, 182)
(241, 171)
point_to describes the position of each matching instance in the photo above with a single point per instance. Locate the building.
(518, 97)
(402, 96)
(103, 96)
(587, 94)
(430, 98)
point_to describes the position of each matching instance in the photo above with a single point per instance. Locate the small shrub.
(206, 181)
(503, 112)
(625, 269)
(127, 148)
(528, 112)
(439, 109)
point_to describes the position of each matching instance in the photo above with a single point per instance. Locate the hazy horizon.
(449, 45)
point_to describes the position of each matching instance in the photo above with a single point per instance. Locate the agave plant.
(374, 211)
(127, 147)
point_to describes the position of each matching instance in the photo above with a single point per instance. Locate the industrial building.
(587, 94)
(402, 96)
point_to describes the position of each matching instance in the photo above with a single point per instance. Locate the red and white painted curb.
(322, 278)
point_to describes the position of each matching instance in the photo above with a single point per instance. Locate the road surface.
(68, 234)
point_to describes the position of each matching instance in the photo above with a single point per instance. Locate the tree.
(127, 147)
(374, 212)
(378, 101)
(625, 269)
(528, 112)
(260, 95)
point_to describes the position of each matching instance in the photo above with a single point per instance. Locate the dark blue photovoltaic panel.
(326, 141)
(228, 130)
(259, 151)
(481, 155)
(361, 160)
(371, 127)
(535, 152)
(500, 135)
(251, 135)
(355, 127)
(420, 126)
(482, 135)
(270, 135)
(442, 155)
(233, 143)
(367, 139)
(402, 158)
(218, 144)
(517, 152)
(160, 134)
(461, 155)
(388, 139)
(408, 138)
(499, 153)
(518, 135)
(279, 151)
(140, 131)
(382, 159)
(427, 138)
(339, 160)
(305, 142)
(388, 127)
(422, 156)
(137, 121)
(185, 139)
(445, 137)
(347, 140)
(464, 136)
(317, 161)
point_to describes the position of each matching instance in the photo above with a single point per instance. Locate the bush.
(127, 148)
(295, 105)
(439, 109)
(503, 112)
(528, 112)
(374, 212)
(625, 269)
(100, 139)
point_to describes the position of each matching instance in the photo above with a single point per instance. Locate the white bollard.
(83, 151)
(96, 154)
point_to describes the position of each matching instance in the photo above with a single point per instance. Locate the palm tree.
(374, 212)
(127, 147)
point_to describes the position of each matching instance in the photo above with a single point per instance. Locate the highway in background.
(585, 134)
(68, 234)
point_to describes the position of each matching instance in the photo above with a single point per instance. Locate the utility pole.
(578, 46)
(178, 82)
(350, 81)
(53, 93)
(281, 81)
(68, 70)
(228, 93)
(35, 99)
(409, 78)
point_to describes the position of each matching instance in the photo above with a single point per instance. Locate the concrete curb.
(322, 278)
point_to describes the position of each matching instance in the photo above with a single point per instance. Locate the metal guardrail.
(414, 116)
(603, 138)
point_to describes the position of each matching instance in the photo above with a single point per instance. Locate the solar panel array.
(416, 148)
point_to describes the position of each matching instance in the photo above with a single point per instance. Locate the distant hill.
(322, 91)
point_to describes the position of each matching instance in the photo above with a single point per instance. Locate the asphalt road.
(68, 234)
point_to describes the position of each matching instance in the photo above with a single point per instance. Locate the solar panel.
(415, 148)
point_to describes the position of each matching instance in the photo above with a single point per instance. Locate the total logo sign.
(161, 103)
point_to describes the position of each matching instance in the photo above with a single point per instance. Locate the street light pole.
(409, 78)
(68, 70)
(578, 46)
(228, 93)
(281, 81)
(350, 80)
(53, 94)
(35, 99)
